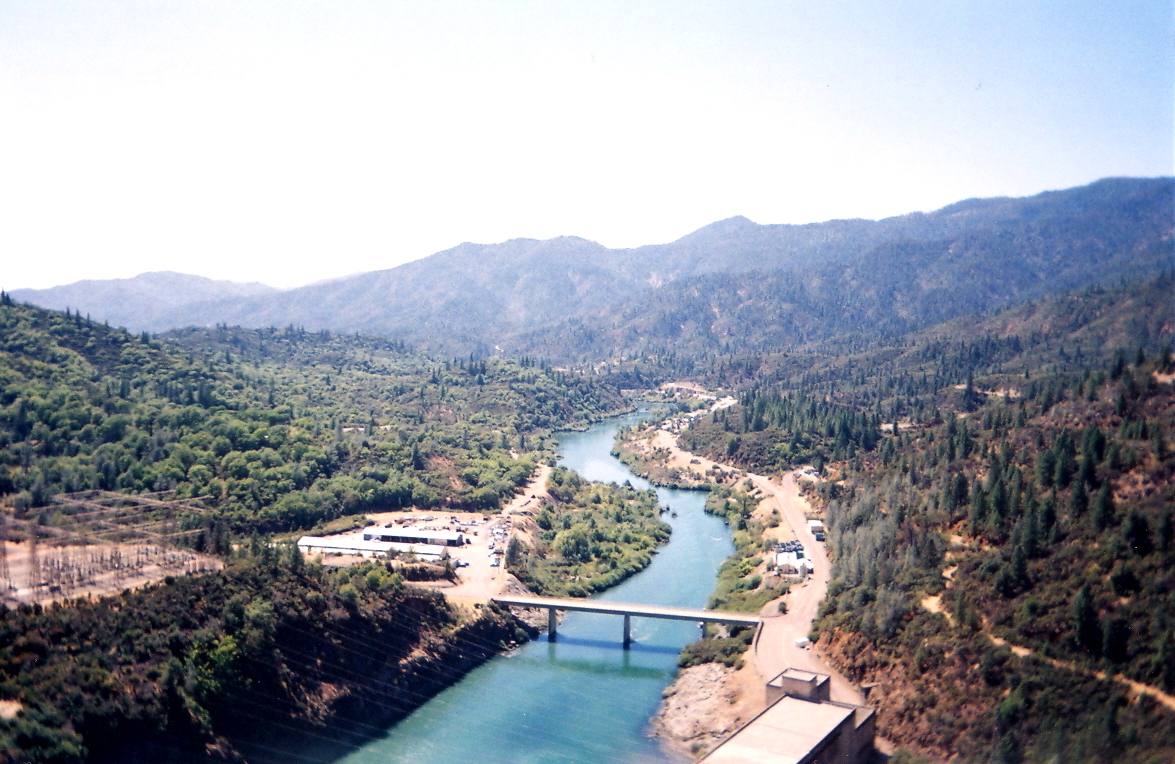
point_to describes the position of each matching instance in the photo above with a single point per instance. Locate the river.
(582, 698)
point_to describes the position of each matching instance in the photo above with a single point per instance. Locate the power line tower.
(34, 567)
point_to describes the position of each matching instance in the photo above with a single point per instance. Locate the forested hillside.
(281, 429)
(1056, 332)
(999, 502)
(992, 568)
(275, 431)
(269, 660)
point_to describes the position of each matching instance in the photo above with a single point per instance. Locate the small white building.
(793, 563)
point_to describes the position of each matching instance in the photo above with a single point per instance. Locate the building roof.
(801, 675)
(783, 734)
(355, 544)
(792, 558)
(415, 533)
(344, 542)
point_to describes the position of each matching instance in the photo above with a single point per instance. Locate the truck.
(816, 527)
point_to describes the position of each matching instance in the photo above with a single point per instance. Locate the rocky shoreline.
(705, 705)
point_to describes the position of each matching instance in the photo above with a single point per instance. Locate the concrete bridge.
(628, 610)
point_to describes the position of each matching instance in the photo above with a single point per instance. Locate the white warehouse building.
(414, 536)
(362, 547)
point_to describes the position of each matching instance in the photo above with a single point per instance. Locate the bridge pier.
(627, 609)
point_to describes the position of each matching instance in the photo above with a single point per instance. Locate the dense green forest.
(829, 401)
(275, 430)
(772, 430)
(280, 430)
(590, 536)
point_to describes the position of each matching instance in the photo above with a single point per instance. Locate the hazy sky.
(291, 142)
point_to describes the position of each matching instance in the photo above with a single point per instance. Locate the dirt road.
(775, 647)
(533, 494)
(480, 580)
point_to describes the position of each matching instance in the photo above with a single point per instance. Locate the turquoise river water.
(582, 698)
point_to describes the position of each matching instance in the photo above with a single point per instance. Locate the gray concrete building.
(800, 725)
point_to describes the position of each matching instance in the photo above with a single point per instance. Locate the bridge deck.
(624, 608)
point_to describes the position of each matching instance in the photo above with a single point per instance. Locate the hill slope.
(264, 433)
(1095, 235)
(1002, 559)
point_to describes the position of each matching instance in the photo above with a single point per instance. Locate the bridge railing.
(627, 609)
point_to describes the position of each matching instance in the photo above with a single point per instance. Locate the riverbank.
(705, 705)
(582, 698)
(687, 720)
(650, 451)
(346, 708)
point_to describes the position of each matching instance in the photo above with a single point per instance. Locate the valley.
(974, 406)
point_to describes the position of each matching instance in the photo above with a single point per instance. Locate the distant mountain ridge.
(137, 302)
(898, 286)
(733, 278)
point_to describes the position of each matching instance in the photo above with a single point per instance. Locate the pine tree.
(1048, 517)
(1088, 469)
(5, 575)
(1078, 501)
(1032, 531)
(1165, 662)
(1136, 533)
(1166, 531)
(1103, 508)
(1086, 629)
(1115, 635)
(1020, 566)
(34, 582)
(978, 512)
